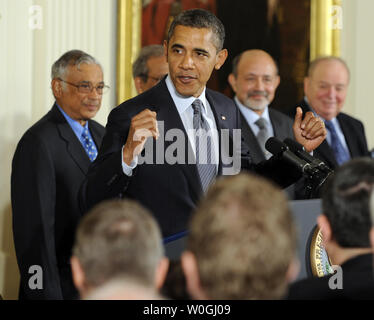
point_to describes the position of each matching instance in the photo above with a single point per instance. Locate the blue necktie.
(341, 154)
(89, 145)
(205, 166)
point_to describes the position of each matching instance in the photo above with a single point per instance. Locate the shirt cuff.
(127, 169)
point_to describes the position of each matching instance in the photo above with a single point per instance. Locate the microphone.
(299, 150)
(278, 148)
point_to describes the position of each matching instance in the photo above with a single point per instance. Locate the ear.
(371, 235)
(232, 81)
(78, 274)
(191, 273)
(325, 227)
(161, 272)
(221, 58)
(166, 50)
(306, 85)
(56, 88)
(276, 82)
(293, 270)
(139, 85)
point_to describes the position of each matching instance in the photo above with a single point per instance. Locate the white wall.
(358, 51)
(26, 56)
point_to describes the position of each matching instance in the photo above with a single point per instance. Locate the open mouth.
(186, 79)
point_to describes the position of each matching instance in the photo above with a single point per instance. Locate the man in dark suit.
(325, 90)
(48, 167)
(345, 226)
(198, 125)
(255, 79)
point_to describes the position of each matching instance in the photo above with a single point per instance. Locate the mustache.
(257, 93)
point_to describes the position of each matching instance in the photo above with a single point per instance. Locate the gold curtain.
(326, 24)
(129, 13)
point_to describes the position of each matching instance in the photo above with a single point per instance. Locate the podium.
(305, 213)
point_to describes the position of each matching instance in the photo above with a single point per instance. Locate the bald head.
(254, 79)
(326, 86)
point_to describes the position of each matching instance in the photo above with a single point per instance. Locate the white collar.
(181, 102)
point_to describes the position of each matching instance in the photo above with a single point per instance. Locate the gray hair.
(71, 58)
(118, 238)
(140, 67)
(313, 65)
(199, 18)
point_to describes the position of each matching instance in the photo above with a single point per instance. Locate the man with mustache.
(48, 168)
(254, 79)
(185, 107)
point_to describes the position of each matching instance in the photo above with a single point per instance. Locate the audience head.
(254, 79)
(149, 68)
(193, 49)
(242, 242)
(118, 239)
(123, 289)
(78, 85)
(326, 86)
(345, 223)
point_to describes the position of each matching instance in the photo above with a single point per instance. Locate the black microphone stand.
(314, 180)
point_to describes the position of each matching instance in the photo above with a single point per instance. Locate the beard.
(257, 105)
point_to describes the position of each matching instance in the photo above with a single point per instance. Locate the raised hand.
(310, 131)
(143, 126)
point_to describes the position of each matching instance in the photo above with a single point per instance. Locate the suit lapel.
(348, 133)
(279, 127)
(73, 146)
(251, 141)
(92, 126)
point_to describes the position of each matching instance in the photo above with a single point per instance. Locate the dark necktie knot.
(197, 106)
(329, 125)
(261, 123)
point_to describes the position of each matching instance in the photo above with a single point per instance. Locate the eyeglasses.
(87, 87)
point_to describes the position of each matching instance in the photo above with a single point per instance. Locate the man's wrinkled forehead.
(213, 37)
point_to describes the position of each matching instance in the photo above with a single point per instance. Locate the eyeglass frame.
(78, 86)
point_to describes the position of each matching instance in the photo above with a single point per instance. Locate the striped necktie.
(340, 153)
(204, 152)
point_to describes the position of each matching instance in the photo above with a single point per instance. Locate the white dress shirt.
(185, 111)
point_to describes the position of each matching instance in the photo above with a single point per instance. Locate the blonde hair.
(244, 239)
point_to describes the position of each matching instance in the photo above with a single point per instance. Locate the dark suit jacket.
(48, 168)
(282, 126)
(170, 191)
(358, 283)
(354, 134)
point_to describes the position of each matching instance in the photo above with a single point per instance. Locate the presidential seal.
(319, 260)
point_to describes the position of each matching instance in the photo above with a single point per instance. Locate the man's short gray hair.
(71, 58)
(118, 238)
(140, 67)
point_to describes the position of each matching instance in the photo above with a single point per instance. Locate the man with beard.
(254, 79)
